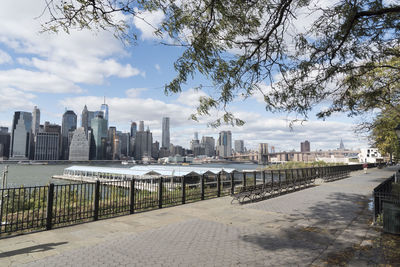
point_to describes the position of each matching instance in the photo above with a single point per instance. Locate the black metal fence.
(383, 193)
(45, 207)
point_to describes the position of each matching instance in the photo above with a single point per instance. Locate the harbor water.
(35, 175)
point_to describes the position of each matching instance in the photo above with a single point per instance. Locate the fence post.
(293, 180)
(244, 179)
(280, 181)
(132, 204)
(219, 184)
(202, 187)
(286, 180)
(376, 207)
(96, 200)
(255, 177)
(263, 177)
(272, 181)
(50, 197)
(160, 192)
(232, 174)
(183, 185)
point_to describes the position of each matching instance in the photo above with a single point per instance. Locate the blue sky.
(58, 71)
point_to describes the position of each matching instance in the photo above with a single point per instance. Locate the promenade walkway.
(311, 227)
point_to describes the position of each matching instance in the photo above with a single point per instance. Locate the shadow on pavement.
(32, 249)
(316, 227)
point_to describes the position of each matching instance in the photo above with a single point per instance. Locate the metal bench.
(251, 193)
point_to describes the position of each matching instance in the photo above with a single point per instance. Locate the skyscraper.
(80, 145)
(21, 135)
(69, 122)
(124, 139)
(165, 132)
(143, 144)
(239, 146)
(141, 126)
(47, 146)
(133, 129)
(224, 148)
(35, 120)
(305, 146)
(99, 127)
(208, 143)
(85, 119)
(4, 143)
(104, 109)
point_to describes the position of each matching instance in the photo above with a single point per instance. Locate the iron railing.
(45, 207)
(383, 193)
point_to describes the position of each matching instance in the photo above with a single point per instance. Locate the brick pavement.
(299, 229)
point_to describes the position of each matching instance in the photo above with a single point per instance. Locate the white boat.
(128, 162)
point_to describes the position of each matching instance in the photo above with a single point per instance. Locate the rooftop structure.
(140, 172)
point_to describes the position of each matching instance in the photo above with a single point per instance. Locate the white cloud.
(134, 92)
(124, 110)
(5, 58)
(147, 22)
(157, 66)
(26, 80)
(79, 57)
(12, 99)
(191, 97)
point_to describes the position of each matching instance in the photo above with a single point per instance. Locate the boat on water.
(32, 163)
(128, 162)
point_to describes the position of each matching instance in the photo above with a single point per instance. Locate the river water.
(34, 175)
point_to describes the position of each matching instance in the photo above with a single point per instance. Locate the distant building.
(80, 145)
(124, 139)
(87, 116)
(143, 143)
(369, 155)
(208, 143)
(104, 110)
(69, 123)
(224, 146)
(99, 128)
(113, 143)
(305, 146)
(5, 138)
(133, 129)
(239, 146)
(341, 145)
(155, 150)
(263, 153)
(141, 126)
(85, 119)
(165, 132)
(21, 136)
(92, 115)
(52, 128)
(47, 146)
(195, 145)
(35, 120)
(163, 152)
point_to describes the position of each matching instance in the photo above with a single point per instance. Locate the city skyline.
(78, 121)
(60, 71)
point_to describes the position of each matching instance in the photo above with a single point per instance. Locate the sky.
(67, 71)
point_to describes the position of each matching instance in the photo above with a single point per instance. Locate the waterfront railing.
(45, 207)
(384, 193)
